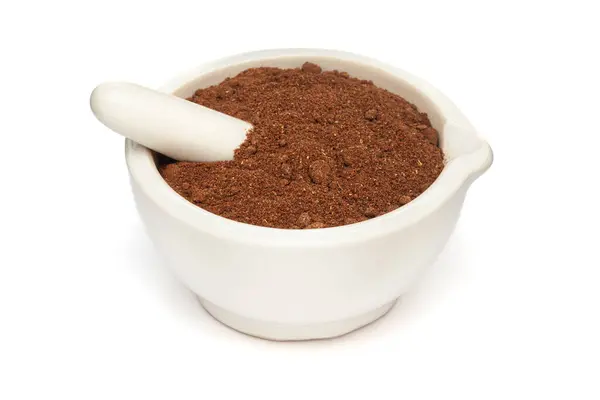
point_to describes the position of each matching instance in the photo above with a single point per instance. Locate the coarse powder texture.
(326, 150)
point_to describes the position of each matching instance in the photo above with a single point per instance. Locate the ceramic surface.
(308, 284)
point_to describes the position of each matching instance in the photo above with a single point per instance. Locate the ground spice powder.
(326, 150)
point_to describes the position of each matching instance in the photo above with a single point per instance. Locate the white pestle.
(170, 125)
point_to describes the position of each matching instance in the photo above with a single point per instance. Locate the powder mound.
(326, 150)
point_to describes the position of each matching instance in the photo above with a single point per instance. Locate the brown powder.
(326, 150)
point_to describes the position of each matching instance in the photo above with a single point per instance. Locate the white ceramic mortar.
(318, 283)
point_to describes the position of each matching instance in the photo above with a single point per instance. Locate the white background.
(510, 311)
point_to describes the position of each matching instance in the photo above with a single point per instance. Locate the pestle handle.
(170, 125)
